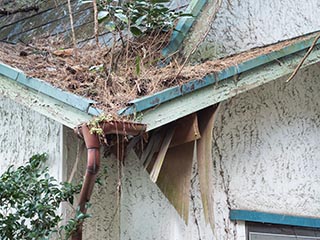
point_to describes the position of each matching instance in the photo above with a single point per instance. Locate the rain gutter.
(148, 102)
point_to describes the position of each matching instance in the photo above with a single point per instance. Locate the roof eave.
(177, 102)
(66, 108)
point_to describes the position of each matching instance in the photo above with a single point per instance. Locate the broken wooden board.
(162, 153)
(204, 158)
(175, 175)
(154, 144)
(187, 130)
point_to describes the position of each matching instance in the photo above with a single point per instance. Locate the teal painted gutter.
(262, 217)
(139, 105)
(183, 27)
(81, 103)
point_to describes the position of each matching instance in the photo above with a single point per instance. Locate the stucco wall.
(267, 151)
(23, 133)
(242, 25)
(146, 214)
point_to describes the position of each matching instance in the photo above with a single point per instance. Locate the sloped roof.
(169, 104)
(209, 83)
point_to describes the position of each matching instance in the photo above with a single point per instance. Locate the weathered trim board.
(263, 217)
(39, 102)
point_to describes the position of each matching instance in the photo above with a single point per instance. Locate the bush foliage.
(29, 200)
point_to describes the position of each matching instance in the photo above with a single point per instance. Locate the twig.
(212, 17)
(96, 23)
(72, 29)
(4, 11)
(304, 58)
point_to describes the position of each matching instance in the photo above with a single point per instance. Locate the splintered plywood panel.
(162, 153)
(175, 175)
(187, 130)
(204, 157)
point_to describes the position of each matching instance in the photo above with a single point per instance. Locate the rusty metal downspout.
(93, 157)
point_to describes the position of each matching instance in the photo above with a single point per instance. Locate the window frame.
(288, 230)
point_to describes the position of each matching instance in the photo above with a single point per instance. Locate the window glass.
(270, 236)
(260, 231)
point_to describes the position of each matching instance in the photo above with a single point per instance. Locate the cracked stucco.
(146, 214)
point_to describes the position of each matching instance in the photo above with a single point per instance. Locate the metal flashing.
(263, 217)
(41, 103)
(183, 27)
(78, 102)
(139, 105)
(226, 89)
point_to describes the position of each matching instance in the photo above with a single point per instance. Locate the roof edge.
(223, 90)
(142, 104)
(183, 27)
(78, 102)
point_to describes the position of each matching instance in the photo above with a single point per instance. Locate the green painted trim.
(182, 106)
(78, 102)
(41, 103)
(183, 27)
(263, 217)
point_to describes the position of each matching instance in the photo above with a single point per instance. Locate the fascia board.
(223, 90)
(42, 103)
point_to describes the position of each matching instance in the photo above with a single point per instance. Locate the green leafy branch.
(139, 16)
(29, 200)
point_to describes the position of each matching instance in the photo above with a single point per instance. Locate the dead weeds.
(113, 79)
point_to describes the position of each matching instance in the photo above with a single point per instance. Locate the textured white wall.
(267, 151)
(23, 133)
(242, 25)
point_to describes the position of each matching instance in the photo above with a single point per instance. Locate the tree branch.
(304, 58)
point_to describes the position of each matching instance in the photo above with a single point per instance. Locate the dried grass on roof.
(84, 76)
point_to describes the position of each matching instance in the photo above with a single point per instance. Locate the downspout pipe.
(93, 157)
(93, 164)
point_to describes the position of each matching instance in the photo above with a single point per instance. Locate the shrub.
(29, 200)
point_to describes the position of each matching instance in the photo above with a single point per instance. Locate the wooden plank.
(154, 174)
(206, 118)
(175, 177)
(153, 147)
(197, 100)
(186, 130)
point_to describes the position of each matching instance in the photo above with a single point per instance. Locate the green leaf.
(136, 31)
(110, 26)
(159, 1)
(85, 1)
(102, 15)
(123, 18)
(138, 60)
(139, 21)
